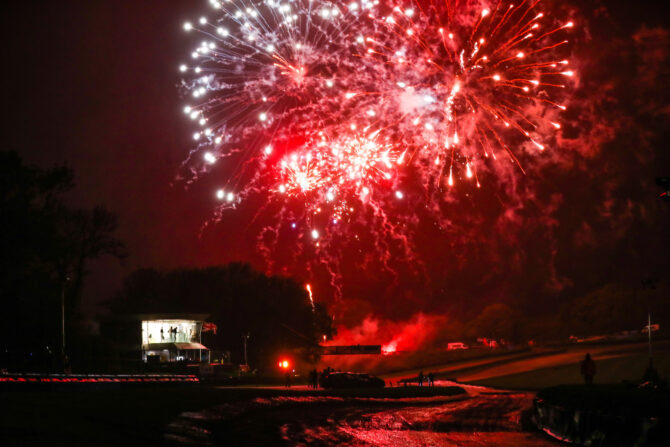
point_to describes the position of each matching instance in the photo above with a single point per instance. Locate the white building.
(173, 338)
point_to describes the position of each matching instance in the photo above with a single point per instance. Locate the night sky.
(94, 84)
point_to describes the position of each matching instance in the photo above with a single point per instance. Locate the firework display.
(332, 109)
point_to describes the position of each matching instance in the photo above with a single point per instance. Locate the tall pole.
(649, 330)
(245, 337)
(62, 314)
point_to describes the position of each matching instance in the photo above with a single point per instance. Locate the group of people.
(430, 379)
(315, 377)
(172, 334)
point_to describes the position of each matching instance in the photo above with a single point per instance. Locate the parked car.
(351, 380)
(456, 345)
(488, 342)
(654, 328)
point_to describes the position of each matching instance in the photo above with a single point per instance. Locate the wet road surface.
(482, 417)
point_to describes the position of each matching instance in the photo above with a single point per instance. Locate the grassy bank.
(610, 370)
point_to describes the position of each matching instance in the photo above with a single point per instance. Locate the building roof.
(157, 316)
(173, 316)
(173, 346)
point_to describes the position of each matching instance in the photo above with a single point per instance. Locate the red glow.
(393, 336)
(149, 378)
(389, 348)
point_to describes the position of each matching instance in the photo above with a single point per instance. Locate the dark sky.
(94, 84)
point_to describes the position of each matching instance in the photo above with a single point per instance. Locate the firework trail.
(339, 111)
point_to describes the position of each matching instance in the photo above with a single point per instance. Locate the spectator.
(588, 368)
(313, 379)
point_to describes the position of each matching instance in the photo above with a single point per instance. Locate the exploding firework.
(464, 84)
(336, 173)
(266, 71)
(334, 107)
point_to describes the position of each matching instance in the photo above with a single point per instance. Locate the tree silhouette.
(43, 243)
(496, 321)
(616, 307)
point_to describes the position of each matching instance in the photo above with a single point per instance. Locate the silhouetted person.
(651, 374)
(288, 379)
(420, 378)
(588, 369)
(162, 335)
(431, 379)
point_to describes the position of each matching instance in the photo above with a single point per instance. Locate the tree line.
(46, 246)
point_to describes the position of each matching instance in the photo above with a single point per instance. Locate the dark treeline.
(275, 311)
(45, 245)
(612, 308)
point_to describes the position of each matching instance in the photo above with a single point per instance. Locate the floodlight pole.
(245, 337)
(62, 314)
(63, 357)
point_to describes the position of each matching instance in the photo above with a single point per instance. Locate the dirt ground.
(481, 417)
(211, 416)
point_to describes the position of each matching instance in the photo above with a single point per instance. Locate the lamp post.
(62, 314)
(245, 338)
(651, 374)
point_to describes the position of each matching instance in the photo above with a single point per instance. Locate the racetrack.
(481, 417)
(616, 362)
